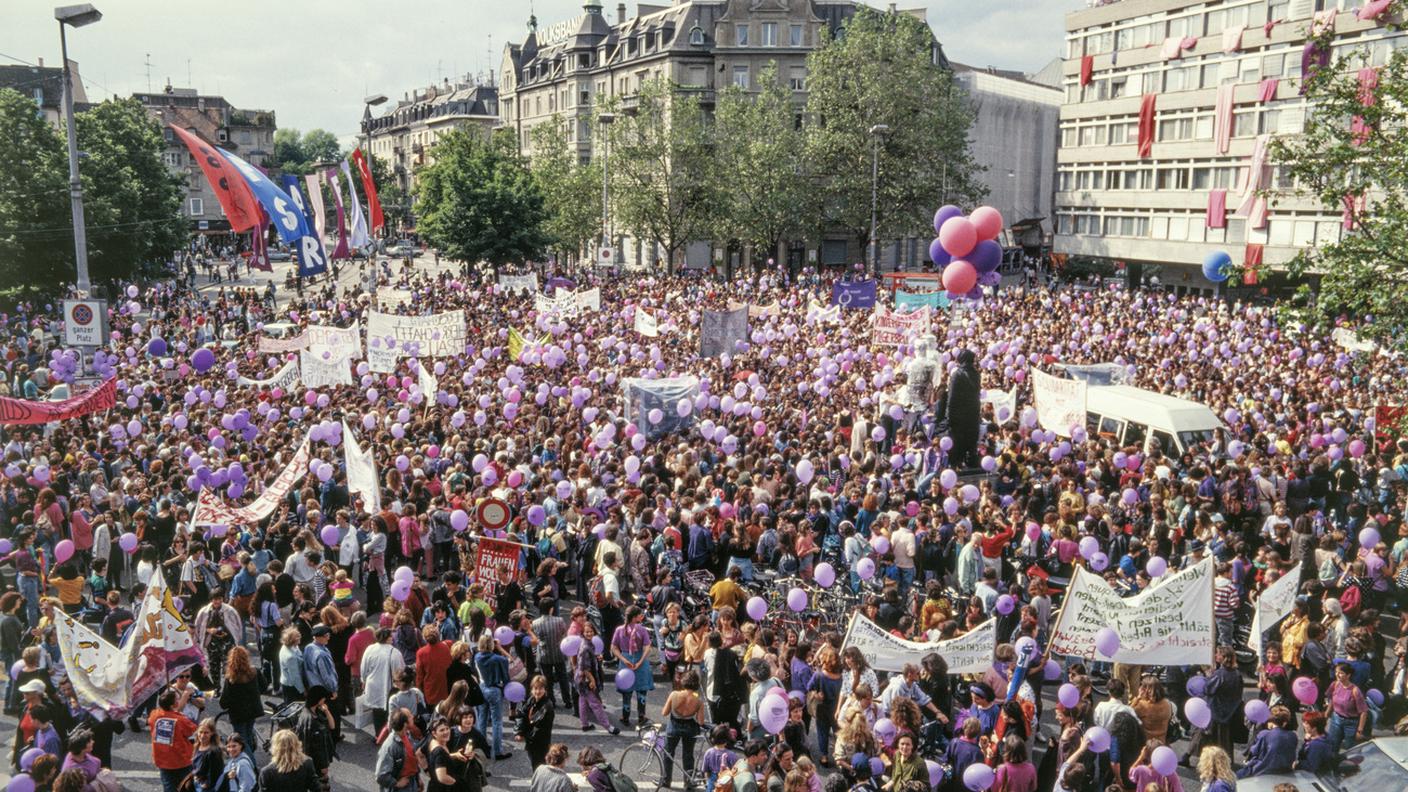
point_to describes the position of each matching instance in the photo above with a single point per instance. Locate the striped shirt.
(550, 631)
(1224, 599)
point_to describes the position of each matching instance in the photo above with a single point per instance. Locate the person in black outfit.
(729, 688)
(535, 722)
(962, 410)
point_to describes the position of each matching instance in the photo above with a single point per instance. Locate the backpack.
(1350, 600)
(596, 591)
(620, 782)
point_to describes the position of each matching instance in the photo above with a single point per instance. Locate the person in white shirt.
(1277, 517)
(298, 567)
(902, 545)
(1106, 710)
(381, 663)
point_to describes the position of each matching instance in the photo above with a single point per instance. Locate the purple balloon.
(757, 608)
(944, 213)
(571, 645)
(937, 254)
(1198, 712)
(1052, 672)
(503, 634)
(986, 256)
(1068, 695)
(1196, 685)
(514, 692)
(797, 600)
(625, 679)
(1107, 642)
(1256, 711)
(1099, 739)
(1005, 604)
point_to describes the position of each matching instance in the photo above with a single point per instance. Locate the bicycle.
(644, 761)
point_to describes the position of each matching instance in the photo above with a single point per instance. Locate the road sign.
(85, 323)
(605, 255)
(493, 514)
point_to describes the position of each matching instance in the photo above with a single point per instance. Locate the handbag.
(517, 671)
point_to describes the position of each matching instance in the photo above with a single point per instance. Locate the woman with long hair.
(685, 710)
(240, 694)
(1153, 707)
(535, 721)
(208, 760)
(449, 707)
(270, 622)
(824, 697)
(444, 764)
(855, 737)
(332, 617)
(1215, 770)
(289, 769)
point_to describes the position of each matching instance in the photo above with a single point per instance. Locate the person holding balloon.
(587, 673)
(629, 646)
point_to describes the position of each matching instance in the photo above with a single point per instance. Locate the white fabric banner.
(520, 284)
(818, 313)
(343, 342)
(970, 653)
(387, 297)
(757, 311)
(438, 335)
(317, 372)
(1001, 400)
(646, 324)
(1060, 403)
(285, 378)
(315, 205)
(280, 345)
(1274, 604)
(563, 302)
(361, 472)
(1349, 340)
(1170, 623)
(892, 328)
(589, 299)
(212, 510)
(382, 361)
(429, 384)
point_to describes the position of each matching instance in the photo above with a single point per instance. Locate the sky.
(313, 61)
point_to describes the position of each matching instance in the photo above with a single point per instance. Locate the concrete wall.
(1014, 136)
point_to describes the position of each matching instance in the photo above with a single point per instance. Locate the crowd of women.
(367, 613)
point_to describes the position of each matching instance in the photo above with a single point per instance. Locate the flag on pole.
(369, 187)
(359, 238)
(231, 191)
(341, 251)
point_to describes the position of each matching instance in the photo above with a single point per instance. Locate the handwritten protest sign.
(437, 335)
(285, 378)
(892, 328)
(317, 371)
(341, 341)
(970, 653)
(1060, 403)
(1274, 604)
(719, 331)
(495, 563)
(1170, 623)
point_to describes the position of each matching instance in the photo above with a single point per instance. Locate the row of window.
(1167, 177)
(767, 35)
(1192, 227)
(1151, 30)
(1282, 118)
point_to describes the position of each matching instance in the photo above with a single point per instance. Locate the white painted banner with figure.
(1274, 604)
(1170, 623)
(589, 299)
(285, 378)
(343, 342)
(521, 284)
(970, 653)
(646, 324)
(437, 335)
(317, 371)
(1060, 403)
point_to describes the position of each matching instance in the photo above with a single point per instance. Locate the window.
(740, 35)
(172, 159)
(1178, 228)
(797, 78)
(696, 36)
(1304, 235)
(1271, 65)
(794, 36)
(1202, 128)
(1118, 133)
(769, 37)
(1244, 124)
(1118, 86)
(1277, 10)
(197, 207)
(1172, 179)
(1068, 137)
(1134, 434)
(740, 77)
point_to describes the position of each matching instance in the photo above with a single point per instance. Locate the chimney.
(41, 60)
(620, 13)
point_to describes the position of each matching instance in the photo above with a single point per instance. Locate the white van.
(1133, 416)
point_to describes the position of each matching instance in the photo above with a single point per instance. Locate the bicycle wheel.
(643, 765)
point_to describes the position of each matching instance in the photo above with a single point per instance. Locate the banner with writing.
(519, 284)
(278, 346)
(391, 299)
(212, 510)
(1350, 340)
(817, 313)
(643, 395)
(1275, 603)
(285, 378)
(720, 331)
(437, 335)
(1170, 623)
(19, 412)
(891, 328)
(1060, 403)
(380, 359)
(757, 311)
(909, 301)
(589, 299)
(970, 653)
(562, 302)
(344, 342)
(1098, 374)
(1004, 403)
(646, 324)
(495, 563)
(853, 294)
(361, 472)
(317, 371)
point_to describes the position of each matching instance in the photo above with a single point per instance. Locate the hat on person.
(1195, 546)
(322, 629)
(32, 686)
(860, 765)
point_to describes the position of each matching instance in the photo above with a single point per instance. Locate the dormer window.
(696, 36)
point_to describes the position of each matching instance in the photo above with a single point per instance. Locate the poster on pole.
(646, 324)
(970, 653)
(343, 342)
(495, 563)
(85, 323)
(1274, 604)
(589, 299)
(1060, 403)
(436, 335)
(361, 472)
(1170, 623)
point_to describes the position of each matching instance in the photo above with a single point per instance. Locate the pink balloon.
(958, 236)
(959, 276)
(987, 222)
(63, 551)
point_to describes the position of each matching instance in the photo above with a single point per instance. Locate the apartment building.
(1167, 106)
(405, 135)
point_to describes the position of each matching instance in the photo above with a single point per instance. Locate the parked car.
(403, 248)
(279, 255)
(1374, 766)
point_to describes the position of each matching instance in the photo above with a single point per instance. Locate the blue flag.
(913, 301)
(308, 265)
(853, 294)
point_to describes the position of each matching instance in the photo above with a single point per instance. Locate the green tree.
(479, 202)
(762, 158)
(132, 202)
(1351, 155)
(34, 205)
(881, 71)
(298, 153)
(571, 189)
(662, 169)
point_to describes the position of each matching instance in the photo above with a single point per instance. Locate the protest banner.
(853, 294)
(563, 302)
(345, 342)
(436, 335)
(643, 395)
(278, 346)
(1098, 373)
(495, 563)
(892, 329)
(285, 378)
(909, 301)
(970, 653)
(379, 359)
(1349, 340)
(1275, 603)
(1170, 623)
(212, 510)
(720, 331)
(646, 324)
(429, 383)
(589, 299)
(757, 311)
(361, 472)
(1060, 403)
(518, 343)
(19, 412)
(1004, 403)
(521, 284)
(317, 371)
(390, 299)
(829, 315)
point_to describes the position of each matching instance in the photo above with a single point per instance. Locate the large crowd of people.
(336, 616)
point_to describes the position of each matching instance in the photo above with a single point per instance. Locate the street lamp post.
(877, 132)
(605, 120)
(77, 16)
(368, 104)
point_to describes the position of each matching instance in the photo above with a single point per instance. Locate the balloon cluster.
(63, 364)
(967, 249)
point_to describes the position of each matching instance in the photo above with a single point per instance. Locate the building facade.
(1214, 82)
(45, 85)
(1014, 137)
(405, 135)
(246, 133)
